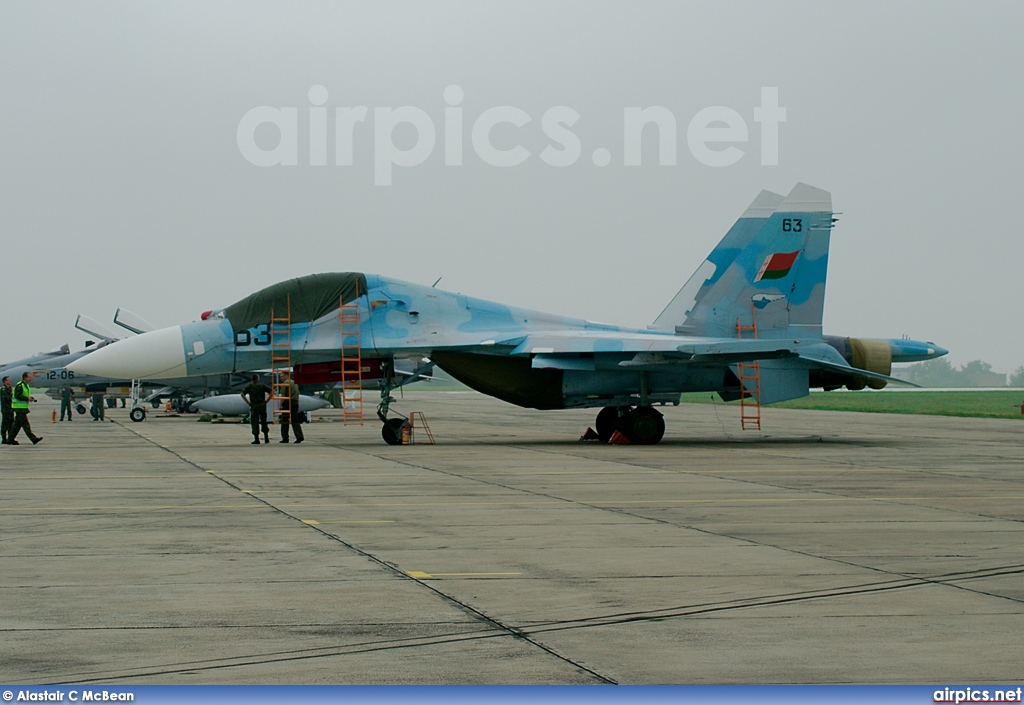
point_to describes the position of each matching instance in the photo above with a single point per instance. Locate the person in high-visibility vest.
(22, 397)
(6, 412)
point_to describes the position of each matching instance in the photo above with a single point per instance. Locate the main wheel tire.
(643, 426)
(607, 421)
(137, 414)
(391, 431)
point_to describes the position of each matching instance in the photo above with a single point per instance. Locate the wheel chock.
(618, 439)
(590, 435)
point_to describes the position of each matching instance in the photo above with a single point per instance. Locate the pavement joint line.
(709, 532)
(494, 622)
(427, 576)
(595, 504)
(771, 600)
(783, 487)
(214, 664)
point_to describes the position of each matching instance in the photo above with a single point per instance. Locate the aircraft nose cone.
(154, 355)
(936, 350)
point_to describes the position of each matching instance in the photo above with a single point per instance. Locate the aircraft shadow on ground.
(694, 442)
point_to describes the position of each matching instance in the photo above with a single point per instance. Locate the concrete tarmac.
(830, 548)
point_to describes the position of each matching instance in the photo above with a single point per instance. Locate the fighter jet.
(62, 350)
(758, 298)
(53, 373)
(50, 372)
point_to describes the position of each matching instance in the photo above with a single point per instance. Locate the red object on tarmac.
(618, 439)
(590, 435)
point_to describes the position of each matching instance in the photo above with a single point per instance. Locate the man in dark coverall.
(97, 408)
(290, 402)
(67, 395)
(255, 395)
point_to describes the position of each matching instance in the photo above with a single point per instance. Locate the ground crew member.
(22, 396)
(66, 397)
(290, 402)
(255, 395)
(97, 408)
(6, 412)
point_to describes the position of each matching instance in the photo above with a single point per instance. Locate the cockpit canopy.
(304, 299)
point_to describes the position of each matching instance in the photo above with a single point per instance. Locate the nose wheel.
(391, 431)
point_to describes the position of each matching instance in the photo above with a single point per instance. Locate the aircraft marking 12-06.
(769, 269)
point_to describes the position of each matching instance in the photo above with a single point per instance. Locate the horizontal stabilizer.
(846, 369)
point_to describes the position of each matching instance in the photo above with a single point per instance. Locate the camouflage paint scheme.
(545, 361)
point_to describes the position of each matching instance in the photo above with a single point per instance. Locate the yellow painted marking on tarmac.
(311, 522)
(356, 521)
(426, 576)
(246, 491)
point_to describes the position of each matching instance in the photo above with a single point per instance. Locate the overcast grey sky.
(122, 182)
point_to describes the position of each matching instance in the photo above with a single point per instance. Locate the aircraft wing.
(563, 350)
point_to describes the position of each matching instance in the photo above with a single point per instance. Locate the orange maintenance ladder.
(281, 357)
(750, 400)
(412, 426)
(351, 364)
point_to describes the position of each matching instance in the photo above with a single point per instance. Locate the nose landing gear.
(391, 431)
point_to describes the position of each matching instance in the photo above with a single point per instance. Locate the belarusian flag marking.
(776, 266)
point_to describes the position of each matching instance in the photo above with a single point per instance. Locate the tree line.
(940, 373)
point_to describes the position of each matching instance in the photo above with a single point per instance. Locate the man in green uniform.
(6, 412)
(291, 404)
(22, 396)
(66, 397)
(255, 395)
(97, 408)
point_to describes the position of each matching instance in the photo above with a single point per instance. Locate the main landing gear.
(641, 425)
